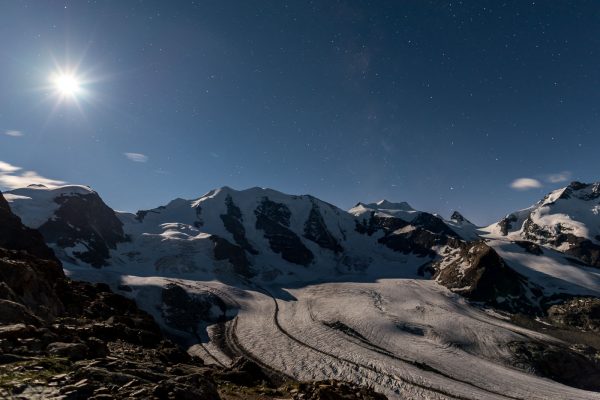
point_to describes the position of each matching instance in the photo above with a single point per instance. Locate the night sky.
(446, 105)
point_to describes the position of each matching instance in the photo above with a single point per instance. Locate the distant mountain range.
(528, 263)
(271, 236)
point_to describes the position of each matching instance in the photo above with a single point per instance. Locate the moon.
(67, 85)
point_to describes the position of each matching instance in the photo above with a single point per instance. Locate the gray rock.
(73, 351)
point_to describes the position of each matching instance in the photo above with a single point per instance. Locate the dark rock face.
(184, 311)
(581, 248)
(141, 214)
(87, 220)
(433, 224)
(375, 223)
(15, 236)
(316, 230)
(418, 237)
(30, 281)
(477, 272)
(416, 240)
(580, 313)
(578, 367)
(593, 191)
(530, 247)
(224, 250)
(505, 223)
(274, 219)
(29, 271)
(458, 217)
(232, 221)
(585, 250)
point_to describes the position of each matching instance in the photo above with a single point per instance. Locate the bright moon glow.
(67, 85)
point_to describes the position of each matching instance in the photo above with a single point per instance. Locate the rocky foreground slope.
(62, 339)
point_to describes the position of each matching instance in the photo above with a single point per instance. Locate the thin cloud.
(13, 133)
(13, 177)
(559, 177)
(526, 184)
(8, 168)
(137, 157)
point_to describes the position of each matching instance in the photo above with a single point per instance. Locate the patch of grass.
(38, 369)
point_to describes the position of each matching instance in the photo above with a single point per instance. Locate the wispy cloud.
(13, 133)
(12, 177)
(559, 177)
(8, 168)
(525, 184)
(137, 157)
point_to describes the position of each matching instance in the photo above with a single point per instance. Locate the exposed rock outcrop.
(316, 230)
(577, 366)
(84, 222)
(224, 250)
(232, 220)
(581, 313)
(475, 271)
(274, 219)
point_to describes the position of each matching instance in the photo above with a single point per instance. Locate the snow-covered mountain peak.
(37, 203)
(54, 191)
(566, 219)
(385, 208)
(388, 205)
